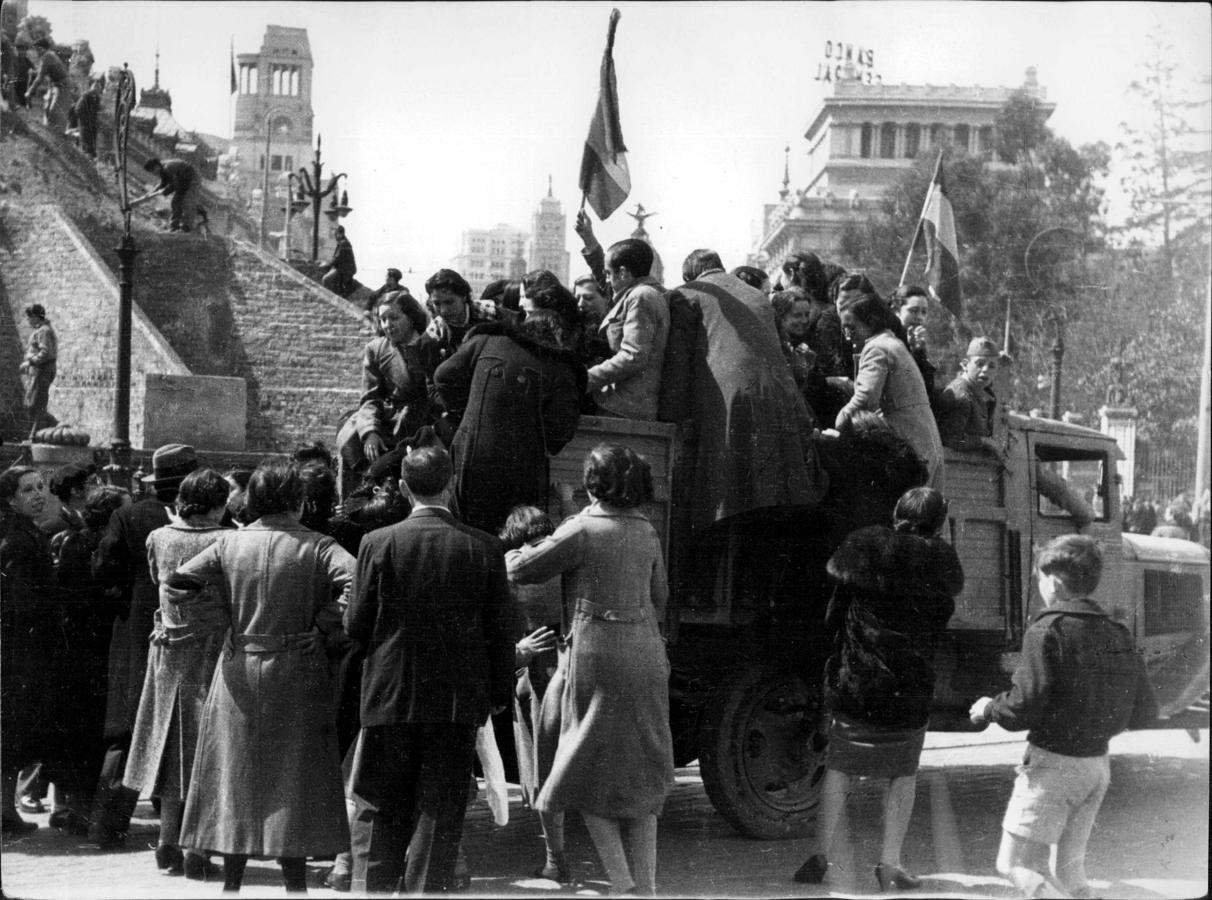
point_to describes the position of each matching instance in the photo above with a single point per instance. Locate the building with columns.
(274, 100)
(860, 141)
(548, 232)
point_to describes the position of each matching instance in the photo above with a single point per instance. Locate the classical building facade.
(860, 141)
(273, 101)
(487, 254)
(548, 231)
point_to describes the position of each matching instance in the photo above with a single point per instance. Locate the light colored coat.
(628, 384)
(890, 383)
(267, 775)
(614, 756)
(180, 666)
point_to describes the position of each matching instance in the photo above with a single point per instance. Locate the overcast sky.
(450, 116)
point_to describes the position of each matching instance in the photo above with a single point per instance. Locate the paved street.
(1151, 840)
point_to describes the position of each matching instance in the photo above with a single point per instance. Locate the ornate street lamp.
(312, 191)
(118, 470)
(265, 185)
(295, 204)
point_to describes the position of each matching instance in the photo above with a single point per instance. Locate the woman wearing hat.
(888, 381)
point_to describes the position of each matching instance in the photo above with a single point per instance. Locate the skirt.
(860, 748)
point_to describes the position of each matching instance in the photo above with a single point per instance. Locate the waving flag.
(605, 181)
(942, 250)
(235, 84)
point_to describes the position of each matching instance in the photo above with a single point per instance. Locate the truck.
(747, 654)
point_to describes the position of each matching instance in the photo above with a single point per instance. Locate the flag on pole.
(235, 84)
(605, 181)
(942, 251)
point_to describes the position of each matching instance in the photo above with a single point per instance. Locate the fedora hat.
(170, 464)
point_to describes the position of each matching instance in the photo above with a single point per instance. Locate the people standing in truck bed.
(888, 380)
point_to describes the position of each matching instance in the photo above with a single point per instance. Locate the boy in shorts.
(1079, 682)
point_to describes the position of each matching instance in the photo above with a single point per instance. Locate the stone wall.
(231, 310)
(45, 259)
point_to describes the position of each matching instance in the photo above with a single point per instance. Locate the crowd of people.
(343, 629)
(1179, 518)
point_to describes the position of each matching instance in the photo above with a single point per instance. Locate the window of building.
(961, 138)
(887, 140)
(938, 134)
(248, 78)
(262, 165)
(865, 139)
(275, 163)
(984, 141)
(913, 139)
(284, 80)
(290, 164)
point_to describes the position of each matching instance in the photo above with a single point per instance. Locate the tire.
(761, 753)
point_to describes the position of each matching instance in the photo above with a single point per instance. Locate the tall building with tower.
(273, 121)
(548, 228)
(861, 140)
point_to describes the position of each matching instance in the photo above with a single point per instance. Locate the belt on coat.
(610, 614)
(270, 643)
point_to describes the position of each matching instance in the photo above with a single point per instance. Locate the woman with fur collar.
(896, 589)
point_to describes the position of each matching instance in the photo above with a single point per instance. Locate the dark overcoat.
(895, 593)
(266, 779)
(750, 432)
(431, 608)
(28, 613)
(122, 563)
(520, 400)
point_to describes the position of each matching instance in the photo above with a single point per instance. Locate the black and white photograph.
(578, 449)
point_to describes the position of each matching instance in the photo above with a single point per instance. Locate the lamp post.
(118, 470)
(265, 182)
(1056, 311)
(294, 204)
(311, 190)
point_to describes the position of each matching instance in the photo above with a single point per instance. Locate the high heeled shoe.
(895, 878)
(813, 869)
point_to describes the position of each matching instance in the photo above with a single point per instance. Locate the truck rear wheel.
(762, 753)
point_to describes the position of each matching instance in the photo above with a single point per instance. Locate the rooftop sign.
(848, 62)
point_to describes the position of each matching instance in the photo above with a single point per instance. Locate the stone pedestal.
(1120, 423)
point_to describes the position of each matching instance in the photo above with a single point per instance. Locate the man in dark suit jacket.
(431, 606)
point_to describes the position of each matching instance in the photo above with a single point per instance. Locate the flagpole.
(1006, 334)
(921, 218)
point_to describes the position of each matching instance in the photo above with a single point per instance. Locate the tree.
(1168, 161)
(1000, 208)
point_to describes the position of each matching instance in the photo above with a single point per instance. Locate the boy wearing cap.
(1079, 683)
(968, 404)
(38, 366)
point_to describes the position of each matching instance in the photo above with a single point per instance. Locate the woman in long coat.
(614, 759)
(519, 391)
(888, 381)
(181, 662)
(266, 780)
(895, 592)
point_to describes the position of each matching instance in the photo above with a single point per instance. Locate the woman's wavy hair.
(921, 511)
(410, 306)
(102, 502)
(200, 492)
(618, 475)
(523, 525)
(10, 479)
(275, 487)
